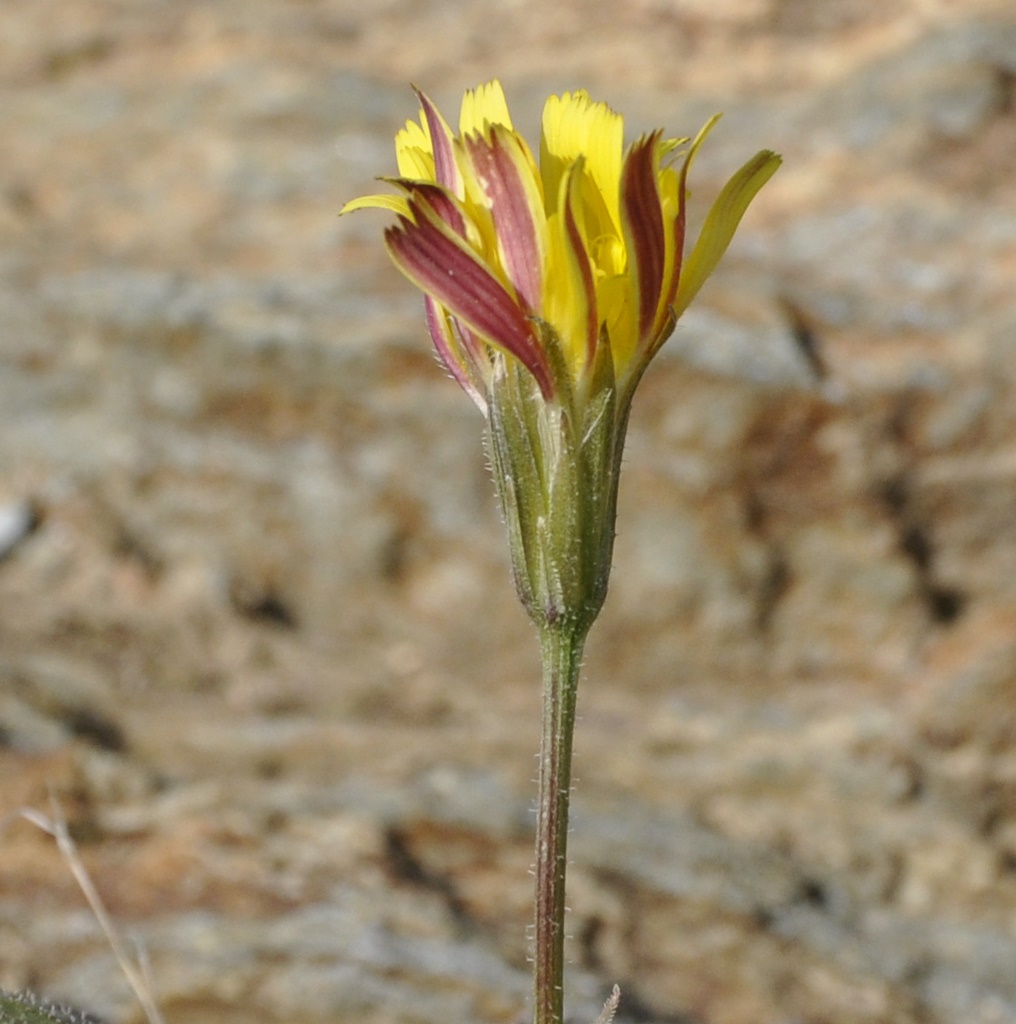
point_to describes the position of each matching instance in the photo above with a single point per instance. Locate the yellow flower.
(549, 287)
(549, 262)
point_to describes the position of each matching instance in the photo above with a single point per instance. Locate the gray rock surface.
(256, 628)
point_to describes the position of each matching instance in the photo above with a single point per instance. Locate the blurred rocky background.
(257, 633)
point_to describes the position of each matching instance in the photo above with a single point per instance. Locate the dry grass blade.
(134, 970)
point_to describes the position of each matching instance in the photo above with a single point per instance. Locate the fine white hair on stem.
(135, 970)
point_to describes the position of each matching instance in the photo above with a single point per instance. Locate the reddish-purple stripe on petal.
(499, 176)
(440, 201)
(680, 226)
(585, 269)
(675, 274)
(446, 170)
(640, 198)
(459, 281)
(441, 335)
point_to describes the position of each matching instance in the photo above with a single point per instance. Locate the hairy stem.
(561, 647)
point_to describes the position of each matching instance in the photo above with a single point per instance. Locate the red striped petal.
(680, 225)
(438, 262)
(446, 170)
(454, 360)
(500, 167)
(438, 200)
(642, 213)
(582, 263)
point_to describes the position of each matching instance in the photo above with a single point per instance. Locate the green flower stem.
(561, 646)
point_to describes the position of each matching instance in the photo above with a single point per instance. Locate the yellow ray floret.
(484, 106)
(564, 263)
(574, 126)
(414, 151)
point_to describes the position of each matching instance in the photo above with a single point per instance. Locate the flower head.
(549, 262)
(550, 284)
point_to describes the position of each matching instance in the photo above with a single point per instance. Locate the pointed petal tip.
(441, 264)
(394, 204)
(757, 171)
(722, 221)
